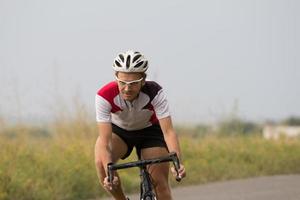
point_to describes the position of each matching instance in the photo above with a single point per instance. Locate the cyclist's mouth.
(127, 94)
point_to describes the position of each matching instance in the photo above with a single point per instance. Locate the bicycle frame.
(146, 184)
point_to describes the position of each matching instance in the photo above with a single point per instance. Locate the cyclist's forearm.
(105, 154)
(104, 147)
(170, 135)
(102, 155)
(173, 144)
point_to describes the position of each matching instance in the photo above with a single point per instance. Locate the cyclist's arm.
(104, 140)
(103, 116)
(172, 143)
(170, 135)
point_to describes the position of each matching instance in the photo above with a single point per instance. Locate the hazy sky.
(209, 55)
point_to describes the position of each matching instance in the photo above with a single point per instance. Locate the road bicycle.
(146, 187)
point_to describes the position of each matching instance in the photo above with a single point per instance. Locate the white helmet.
(130, 61)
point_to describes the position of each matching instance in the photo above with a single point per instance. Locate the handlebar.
(171, 157)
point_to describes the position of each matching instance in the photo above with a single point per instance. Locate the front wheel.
(150, 198)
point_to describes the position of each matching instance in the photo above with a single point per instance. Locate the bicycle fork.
(146, 186)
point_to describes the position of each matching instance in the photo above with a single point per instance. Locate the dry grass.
(57, 162)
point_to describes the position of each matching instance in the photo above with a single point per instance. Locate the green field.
(57, 162)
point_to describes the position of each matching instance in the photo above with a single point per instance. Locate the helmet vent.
(121, 57)
(118, 64)
(146, 64)
(128, 62)
(136, 57)
(139, 64)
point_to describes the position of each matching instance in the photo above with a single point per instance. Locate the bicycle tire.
(150, 198)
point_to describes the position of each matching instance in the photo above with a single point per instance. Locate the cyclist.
(132, 112)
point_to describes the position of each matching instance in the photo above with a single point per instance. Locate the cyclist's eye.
(134, 83)
(122, 83)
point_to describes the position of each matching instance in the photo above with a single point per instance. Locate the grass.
(214, 159)
(57, 162)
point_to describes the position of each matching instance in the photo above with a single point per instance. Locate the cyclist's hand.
(110, 186)
(181, 172)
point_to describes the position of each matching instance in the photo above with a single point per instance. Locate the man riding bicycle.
(132, 112)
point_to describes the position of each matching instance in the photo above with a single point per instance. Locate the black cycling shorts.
(145, 138)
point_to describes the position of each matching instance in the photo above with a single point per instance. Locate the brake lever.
(110, 172)
(176, 164)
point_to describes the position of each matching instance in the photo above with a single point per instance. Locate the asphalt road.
(285, 187)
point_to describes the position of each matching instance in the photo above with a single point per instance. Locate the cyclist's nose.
(126, 88)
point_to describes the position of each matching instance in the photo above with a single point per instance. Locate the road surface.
(285, 187)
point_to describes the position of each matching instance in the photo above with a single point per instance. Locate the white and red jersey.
(150, 105)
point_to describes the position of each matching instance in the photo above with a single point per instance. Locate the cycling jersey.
(150, 106)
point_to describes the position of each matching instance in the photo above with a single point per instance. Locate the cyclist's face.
(129, 84)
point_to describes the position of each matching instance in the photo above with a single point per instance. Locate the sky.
(214, 58)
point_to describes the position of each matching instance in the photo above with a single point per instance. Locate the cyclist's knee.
(163, 190)
(162, 187)
(161, 183)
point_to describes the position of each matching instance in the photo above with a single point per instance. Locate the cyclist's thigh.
(158, 171)
(119, 147)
